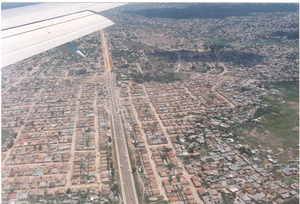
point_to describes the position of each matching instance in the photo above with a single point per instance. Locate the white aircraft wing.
(30, 30)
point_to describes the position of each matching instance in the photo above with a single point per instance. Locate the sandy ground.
(294, 105)
(267, 137)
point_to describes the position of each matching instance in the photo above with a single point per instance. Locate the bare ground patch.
(295, 129)
(282, 112)
(94, 79)
(98, 79)
(294, 105)
(267, 137)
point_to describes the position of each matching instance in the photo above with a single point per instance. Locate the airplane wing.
(30, 30)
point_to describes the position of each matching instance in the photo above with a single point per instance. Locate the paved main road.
(126, 177)
(121, 149)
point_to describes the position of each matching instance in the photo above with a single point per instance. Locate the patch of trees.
(169, 56)
(290, 35)
(263, 111)
(214, 47)
(196, 56)
(158, 77)
(228, 197)
(146, 198)
(116, 189)
(245, 150)
(10, 144)
(126, 65)
(147, 66)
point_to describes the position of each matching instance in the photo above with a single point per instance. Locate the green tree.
(115, 187)
(68, 191)
(178, 177)
(164, 156)
(81, 167)
(191, 150)
(147, 77)
(170, 166)
(146, 197)
(168, 149)
(10, 144)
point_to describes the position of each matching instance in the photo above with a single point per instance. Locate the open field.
(267, 137)
(280, 129)
(280, 126)
(218, 40)
(222, 41)
(236, 45)
(276, 41)
(282, 119)
(94, 79)
(4, 136)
